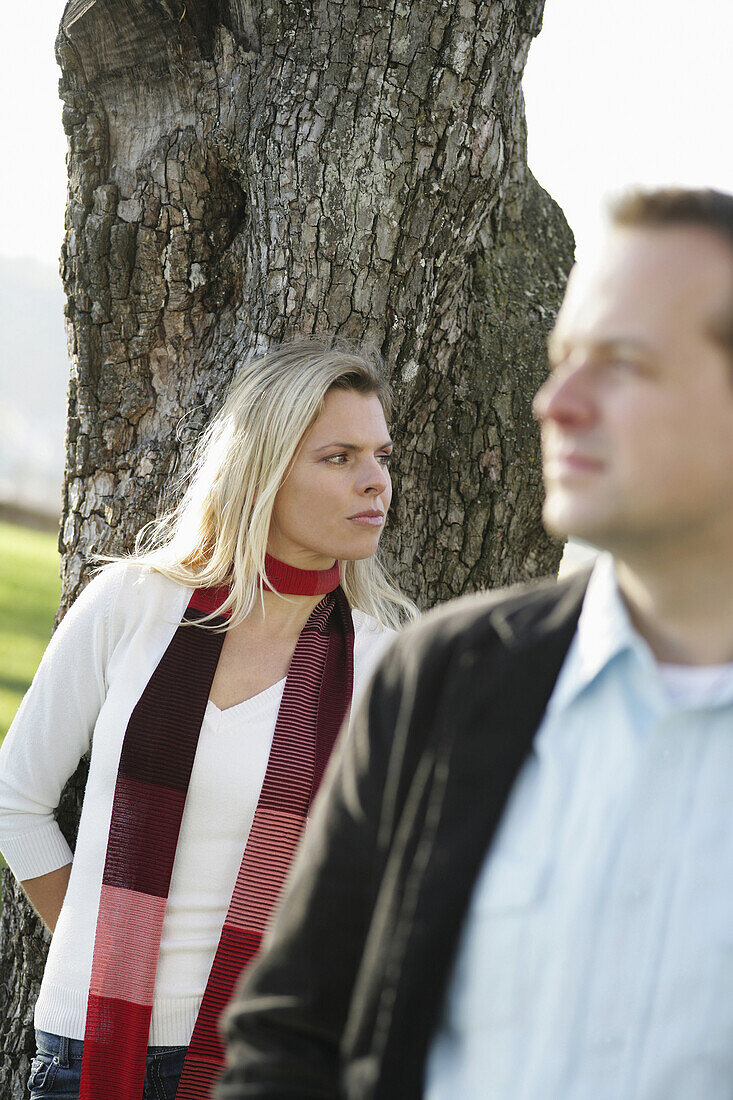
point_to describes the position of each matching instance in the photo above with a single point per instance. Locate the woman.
(211, 672)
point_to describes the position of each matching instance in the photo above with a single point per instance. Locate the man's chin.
(563, 521)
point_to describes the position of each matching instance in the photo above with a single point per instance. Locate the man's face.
(637, 415)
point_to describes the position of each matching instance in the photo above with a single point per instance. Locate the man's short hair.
(672, 207)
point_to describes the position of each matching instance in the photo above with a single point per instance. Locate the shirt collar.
(604, 631)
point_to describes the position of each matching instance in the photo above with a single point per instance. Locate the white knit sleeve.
(52, 730)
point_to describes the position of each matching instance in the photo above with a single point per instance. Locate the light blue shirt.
(596, 958)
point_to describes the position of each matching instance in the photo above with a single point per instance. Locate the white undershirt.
(696, 685)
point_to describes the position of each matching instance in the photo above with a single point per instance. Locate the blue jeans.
(56, 1070)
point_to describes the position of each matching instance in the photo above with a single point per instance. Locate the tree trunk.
(241, 172)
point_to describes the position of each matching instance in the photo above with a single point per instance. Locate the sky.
(617, 92)
(32, 167)
(623, 92)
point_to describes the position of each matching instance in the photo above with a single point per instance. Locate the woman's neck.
(297, 592)
(282, 615)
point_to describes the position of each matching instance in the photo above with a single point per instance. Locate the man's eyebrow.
(621, 342)
(557, 346)
(353, 446)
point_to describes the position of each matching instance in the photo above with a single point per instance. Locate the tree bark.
(241, 172)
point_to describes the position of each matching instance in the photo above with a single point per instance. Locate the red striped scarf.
(154, 771)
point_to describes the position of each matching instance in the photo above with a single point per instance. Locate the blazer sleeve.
(285, 1024)
(52, 731)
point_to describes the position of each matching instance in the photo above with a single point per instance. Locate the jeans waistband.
(70, 1050)
(59, 1046)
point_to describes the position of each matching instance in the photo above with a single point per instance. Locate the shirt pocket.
(494, 969)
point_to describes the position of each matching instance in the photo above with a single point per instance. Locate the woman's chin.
(365, 548)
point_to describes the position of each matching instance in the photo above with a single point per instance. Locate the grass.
(29, 595)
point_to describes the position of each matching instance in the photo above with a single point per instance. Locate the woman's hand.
(46, 893)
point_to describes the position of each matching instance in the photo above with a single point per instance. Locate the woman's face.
(334, 501)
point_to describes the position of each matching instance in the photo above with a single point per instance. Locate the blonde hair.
(217, 534)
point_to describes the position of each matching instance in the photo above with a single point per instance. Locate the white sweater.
(91, 676)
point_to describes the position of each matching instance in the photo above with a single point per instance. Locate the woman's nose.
(375, 478)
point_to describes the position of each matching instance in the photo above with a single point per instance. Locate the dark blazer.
(345, 999)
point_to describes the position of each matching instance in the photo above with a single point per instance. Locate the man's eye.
(385, 459)
(625, 366)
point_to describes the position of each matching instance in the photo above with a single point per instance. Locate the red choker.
(288, 580)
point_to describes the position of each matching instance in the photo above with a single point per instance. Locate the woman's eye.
(336, 460)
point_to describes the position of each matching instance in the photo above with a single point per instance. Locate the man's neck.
(681, 603)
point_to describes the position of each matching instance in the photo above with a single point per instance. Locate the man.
(519, 883)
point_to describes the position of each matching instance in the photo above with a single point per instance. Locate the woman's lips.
(368, 519)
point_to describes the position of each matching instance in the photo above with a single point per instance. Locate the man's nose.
(566, 397)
